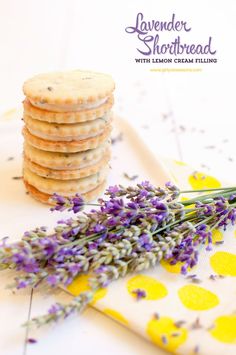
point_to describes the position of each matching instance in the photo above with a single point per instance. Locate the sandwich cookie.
(66, 161)
(65, 187)
(67, 132)
(67, 174)
(70, 91)
(67, 146)
(68, 117)
(46, 198)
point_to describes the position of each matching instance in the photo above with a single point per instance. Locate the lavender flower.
(139, 294)
(130, 231)
(74, 204)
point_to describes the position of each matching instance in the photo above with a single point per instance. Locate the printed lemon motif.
(217, 236)
(184, 198)
(165, 334)
(80, 284)
(202, 181)
(116, 315)
(224, 263)
(180, 163)
(235, 233)
(174, 269)
(225, 329)
(154, 289)
(197, 298)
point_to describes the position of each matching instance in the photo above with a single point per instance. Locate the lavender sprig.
(130, 231)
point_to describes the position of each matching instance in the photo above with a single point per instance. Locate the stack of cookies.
(67, 129)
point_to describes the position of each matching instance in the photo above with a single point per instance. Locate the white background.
(188, 116)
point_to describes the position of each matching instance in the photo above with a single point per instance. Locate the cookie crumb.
(17, 177)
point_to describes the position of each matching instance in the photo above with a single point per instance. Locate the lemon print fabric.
(199, 180)
(223, 263)
(152, 289)
(116, 316)
(217, 236)
(164, 333)
(225, 329)
(180, 163)
(190, 318)
(80, 284)
(197, 298)
(175, 268)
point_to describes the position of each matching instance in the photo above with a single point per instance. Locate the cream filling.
(81, 166)
(68, 107)
(68, 130)
(63, 139)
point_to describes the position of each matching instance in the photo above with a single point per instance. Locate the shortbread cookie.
(67, 132)
(67, 174)
(66, 161)
(68, 117)
(65, 187)
(67, 147)
(46, 198)
(68, 91)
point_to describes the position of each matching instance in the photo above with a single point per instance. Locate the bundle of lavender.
(131, 230)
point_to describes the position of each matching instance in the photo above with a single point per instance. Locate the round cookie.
(64, 187)
(67, 147)
(68, 91)
(66, 161)
(67, 132)
(67, 174)
(46, 198)
(68, 117)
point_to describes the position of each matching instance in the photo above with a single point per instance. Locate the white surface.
(189, 116)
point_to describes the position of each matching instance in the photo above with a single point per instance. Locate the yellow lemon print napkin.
(192, 314)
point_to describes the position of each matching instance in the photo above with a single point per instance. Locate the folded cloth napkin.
(192, 314)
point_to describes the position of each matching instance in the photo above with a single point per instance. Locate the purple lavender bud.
(77, 203)
(139, 294)
(112, 221)
(169, 185)
(184, 269)
(209, 247)
(74, 268)
(92, 246)
(59, 199)
(21, 284)
(75, 231)
(18, 258)
(27, 234)
(52, 280)
(133, 205)
(144, 238)
(232, 197)
(147, 185)
(31, 266)
(101, 269)
(54, 309)
(99, 228)
(143, 193)
(232, 215)
(113, 190)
